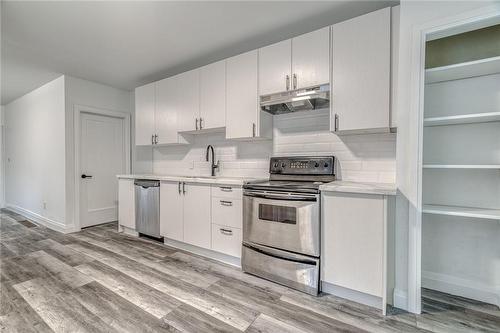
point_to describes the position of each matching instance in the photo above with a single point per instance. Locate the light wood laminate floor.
(99, 280)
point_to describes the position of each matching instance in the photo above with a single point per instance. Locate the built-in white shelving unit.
(463, 70)
(461, 178)
(480, 213)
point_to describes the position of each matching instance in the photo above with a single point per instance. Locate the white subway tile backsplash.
(370, 158)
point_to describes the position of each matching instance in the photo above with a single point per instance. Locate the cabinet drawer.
(226, 240)
(227, 211)
(222, 191)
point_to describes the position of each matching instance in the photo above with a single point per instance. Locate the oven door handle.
(280, 254)
(280, 197)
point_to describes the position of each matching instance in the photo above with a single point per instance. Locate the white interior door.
(102, 157)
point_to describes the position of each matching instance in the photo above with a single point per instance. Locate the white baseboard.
(234, 261)
(400, 299)
(37, 218)
(461, 287)
(352, 295)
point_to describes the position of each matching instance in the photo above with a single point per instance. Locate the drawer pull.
(226, 189)
(226, 203)
(226, 232)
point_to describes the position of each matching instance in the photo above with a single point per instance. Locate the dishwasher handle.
(147, 183)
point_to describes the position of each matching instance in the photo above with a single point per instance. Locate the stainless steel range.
(282, 222)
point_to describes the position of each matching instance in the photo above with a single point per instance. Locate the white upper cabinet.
(300, 62)
(187, 91)
(213, 96)
(361, 69)
(243, 116)
(145, 114)
(167, 111)
(275, 65)
(311, 59)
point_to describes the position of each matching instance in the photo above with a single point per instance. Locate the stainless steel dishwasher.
(147, 207)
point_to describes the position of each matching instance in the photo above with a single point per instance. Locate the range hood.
(317, 97)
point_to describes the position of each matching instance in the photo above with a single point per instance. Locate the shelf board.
(463, 70)
(462, 119)
(480, 213)
(461, 166)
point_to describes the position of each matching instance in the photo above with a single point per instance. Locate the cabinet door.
(197, 226)
(126, 203)
(171, 211)
(242, 115)
(275, 65)
(166, 111)
(187, 90)
(145, 114)
(361, 68)
(213, 95)
(353, 241)
(311, 59)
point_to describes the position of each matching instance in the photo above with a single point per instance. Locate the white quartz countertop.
(359, 187)
(218, 180)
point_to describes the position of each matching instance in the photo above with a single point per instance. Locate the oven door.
(285, 221)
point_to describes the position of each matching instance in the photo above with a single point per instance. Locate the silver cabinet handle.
(156, 139)
(287, 78)
(152, 139)
(294, 81)
(179, 185)
(253, 129)
(201, 123)
(226, 189)
(226, 203)
(196, 123)
(226, 232)
(183, 188)
(336, 124)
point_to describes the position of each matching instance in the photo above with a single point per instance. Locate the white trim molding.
(42, 220)
(227, 259)
(461, 287)
(78, 110)
(353, 295)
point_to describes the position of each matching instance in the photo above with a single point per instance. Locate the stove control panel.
(321, 165)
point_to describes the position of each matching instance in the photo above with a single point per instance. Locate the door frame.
(438, 28)
(78, 111)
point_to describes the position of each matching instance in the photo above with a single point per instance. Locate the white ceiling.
(127, 44)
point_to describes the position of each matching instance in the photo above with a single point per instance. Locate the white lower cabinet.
(206, 216)
(126, 203)
(353, 241)
(227, 211)
(357, 255)
(226, 239)
(185, 213)
(197, 215)
(172, 210)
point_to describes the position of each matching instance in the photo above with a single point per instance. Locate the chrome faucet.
(214, 165)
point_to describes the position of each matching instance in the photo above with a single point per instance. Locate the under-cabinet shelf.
(461, 166)
(462, 119)
(463, 70)
(480, 213)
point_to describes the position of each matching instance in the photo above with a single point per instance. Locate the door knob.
(86, 176)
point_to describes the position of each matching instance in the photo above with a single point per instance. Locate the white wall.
(92, 94)
(362, 158)
(413, 14)
(2, 154)
(35, 153)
